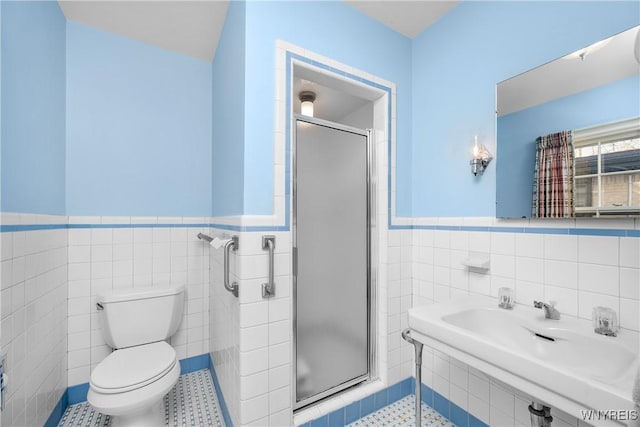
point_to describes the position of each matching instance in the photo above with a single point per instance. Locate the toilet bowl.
(131, 382)
(128, 382)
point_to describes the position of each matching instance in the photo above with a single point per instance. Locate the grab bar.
(269, 288)
(231, 244)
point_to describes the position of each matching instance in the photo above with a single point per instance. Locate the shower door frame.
(372, 254)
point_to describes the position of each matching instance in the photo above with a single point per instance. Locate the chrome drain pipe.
(406, 335)
(540, 415)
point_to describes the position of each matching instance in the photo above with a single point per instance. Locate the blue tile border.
(426, 394)
(38, 227)
(611, 232)
(81, 226)
(442, 405)
(363, 407)
(78, 393)
(31, 227)
(366, 406)
(58, 411)
(475, 422)
(458, 416)
(352, 412)
(320, 422)
(195, 363)
(448, 409)
(336, 418)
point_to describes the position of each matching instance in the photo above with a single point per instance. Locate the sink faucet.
(550, 312)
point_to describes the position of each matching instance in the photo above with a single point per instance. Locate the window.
(607, 169)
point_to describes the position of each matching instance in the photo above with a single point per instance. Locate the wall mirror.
(594, 94)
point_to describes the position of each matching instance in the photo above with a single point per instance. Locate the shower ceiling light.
(306, 98)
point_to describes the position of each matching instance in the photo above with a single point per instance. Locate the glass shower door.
(331, 245)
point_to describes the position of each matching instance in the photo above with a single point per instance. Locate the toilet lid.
(133, 367)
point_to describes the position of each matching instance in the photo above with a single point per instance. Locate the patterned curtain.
(553, 176)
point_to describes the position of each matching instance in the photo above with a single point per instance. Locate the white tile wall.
(102, 259)
(251, 338)
(33, 313)
(225, 337)
(265, 365)
(579, 272)
(399, 355)
(261, 357)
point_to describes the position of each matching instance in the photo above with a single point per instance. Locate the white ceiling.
(188, 27)
(193, 27)
(335, 98)
(406, 17)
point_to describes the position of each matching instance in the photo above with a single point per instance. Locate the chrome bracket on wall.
(231, 244)
(269, 288)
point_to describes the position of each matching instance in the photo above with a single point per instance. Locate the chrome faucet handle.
(605, 321)
(550, 312)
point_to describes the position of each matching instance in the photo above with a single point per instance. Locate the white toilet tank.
(140, 315)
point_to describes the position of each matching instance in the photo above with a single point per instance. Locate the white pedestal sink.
(561, 363)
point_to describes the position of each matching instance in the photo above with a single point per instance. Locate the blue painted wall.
(517, 133)
(33, 107)
(228, 78)
(457, 63)
(338, 31)
(140, 120)
(138, 128)
(1, 107)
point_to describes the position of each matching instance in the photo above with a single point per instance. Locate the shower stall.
(332, 253)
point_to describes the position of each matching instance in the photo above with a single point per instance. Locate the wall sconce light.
(307, 97)
(481, 158)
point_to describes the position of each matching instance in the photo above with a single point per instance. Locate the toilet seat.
(132, 368)
(159, 372)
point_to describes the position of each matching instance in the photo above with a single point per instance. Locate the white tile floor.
(402, 414)
(192, 402)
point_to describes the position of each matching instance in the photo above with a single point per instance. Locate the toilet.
(131, 382)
